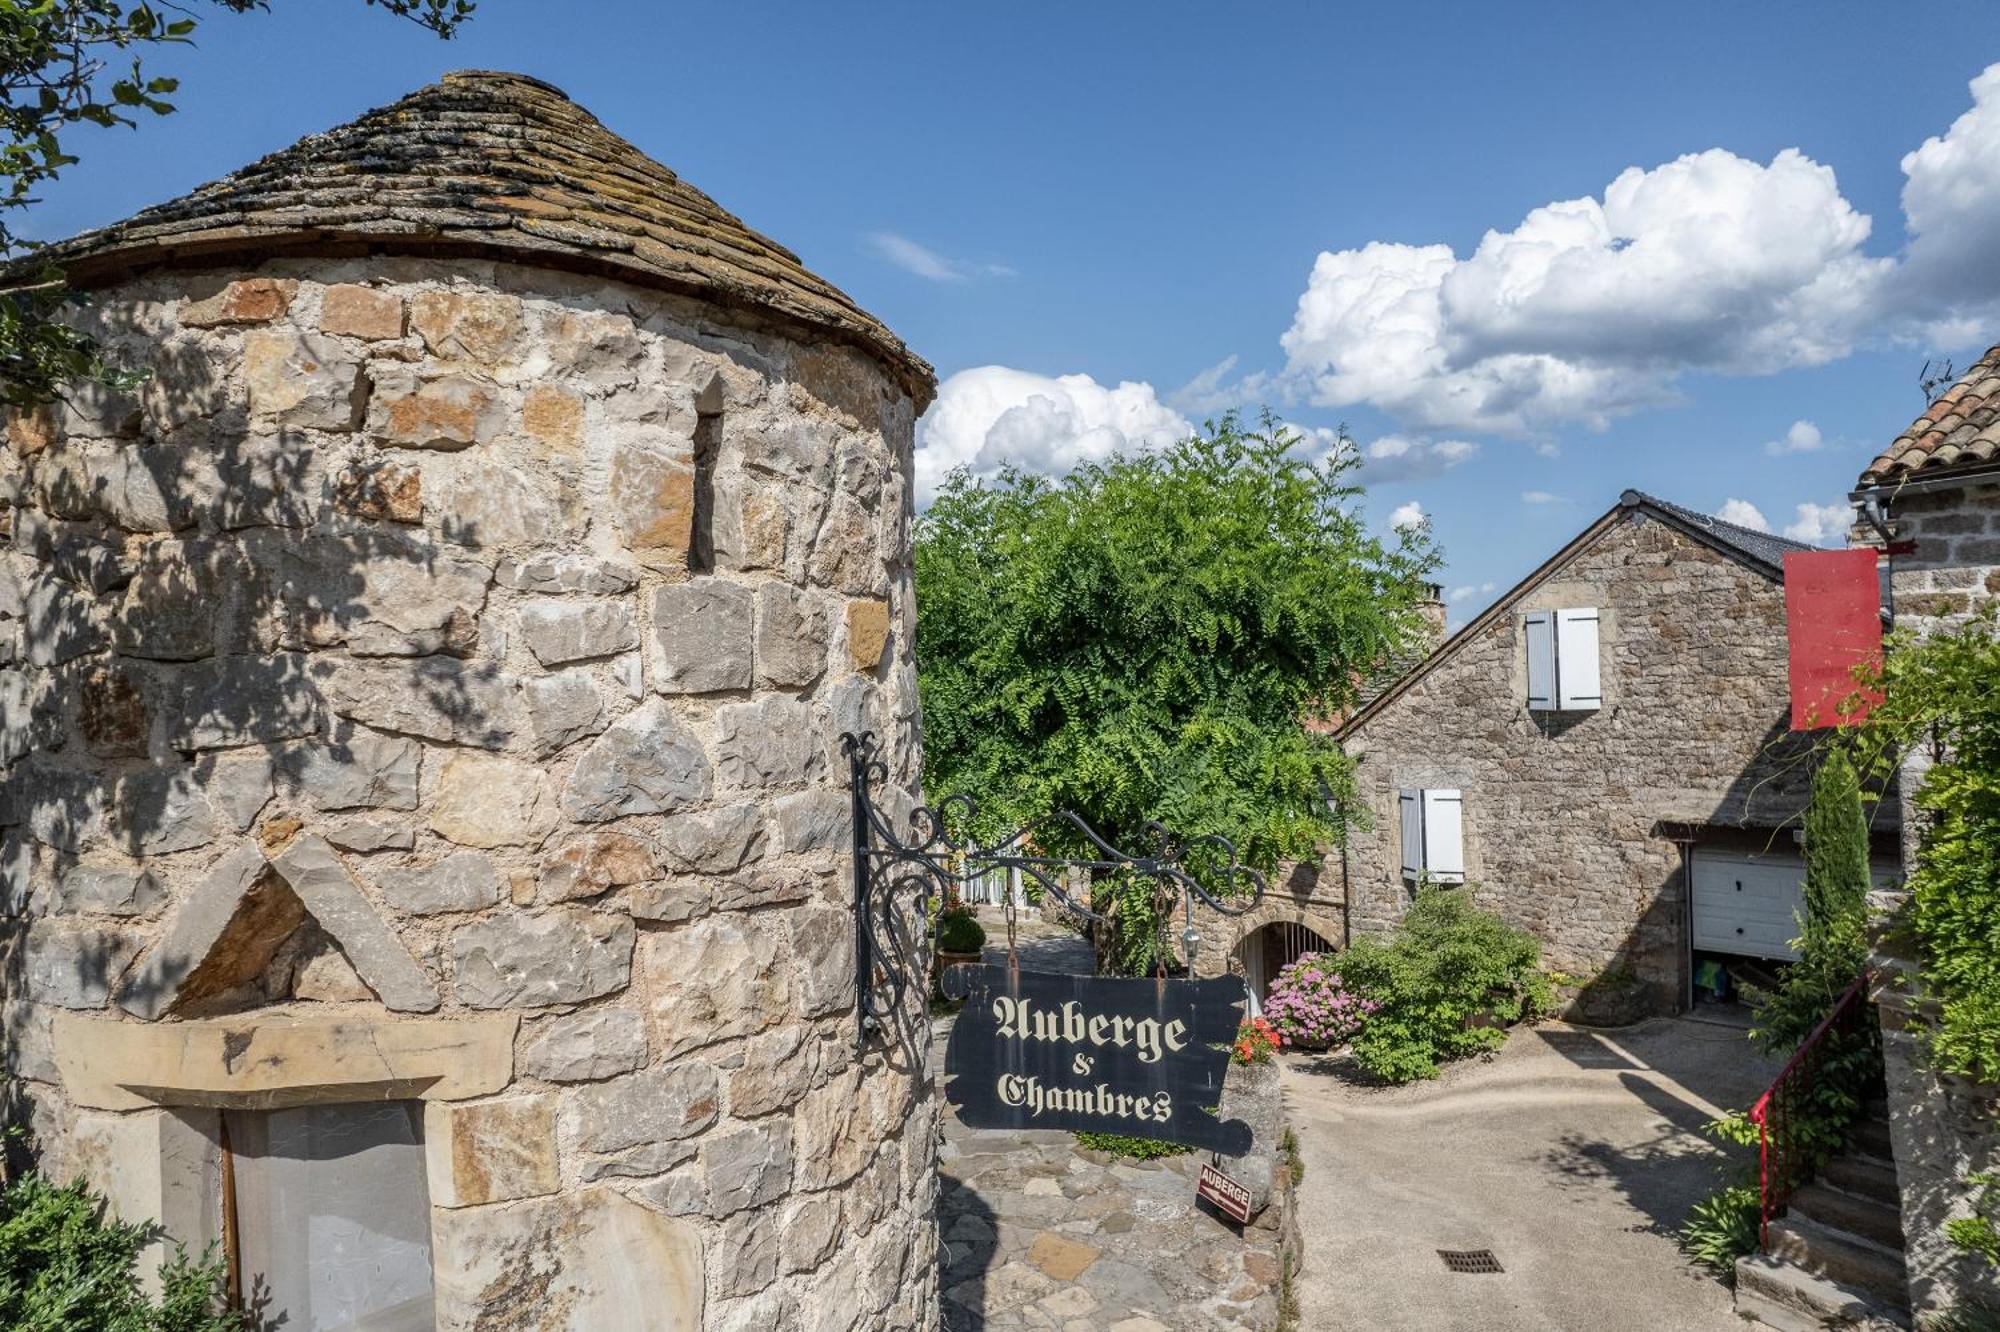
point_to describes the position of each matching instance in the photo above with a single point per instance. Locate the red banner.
(1833, 618)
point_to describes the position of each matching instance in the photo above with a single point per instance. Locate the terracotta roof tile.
(499, 165)
(1959, 431)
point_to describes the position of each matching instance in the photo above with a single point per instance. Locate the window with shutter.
(1410, 804)
(1563, 673)
(1577, 687)
(1444, 845)
(1433, 835)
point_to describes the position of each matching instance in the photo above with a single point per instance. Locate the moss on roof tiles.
(504, 166)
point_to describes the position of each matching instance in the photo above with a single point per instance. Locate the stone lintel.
(269, 1059)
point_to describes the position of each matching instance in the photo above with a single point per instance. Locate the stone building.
(1603, 756)
(1932, 498)
(423, 819)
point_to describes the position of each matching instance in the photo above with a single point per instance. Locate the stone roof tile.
(503, 166)
(1959, 431)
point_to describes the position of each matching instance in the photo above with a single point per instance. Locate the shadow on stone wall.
(175, 568)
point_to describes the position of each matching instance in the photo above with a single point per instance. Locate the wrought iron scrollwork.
(900, 874)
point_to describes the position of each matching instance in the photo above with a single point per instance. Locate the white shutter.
(1444, 837)
(1541, 632)
(1577, 686)
(1410, 805)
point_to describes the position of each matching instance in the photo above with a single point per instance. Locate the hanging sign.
(1145, 1058)
(1230, 1197)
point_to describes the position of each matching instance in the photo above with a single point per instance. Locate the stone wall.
(452, 644)
(1942, 1129)
(1568, 816)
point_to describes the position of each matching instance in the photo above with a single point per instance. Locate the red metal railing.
(1783, 1163)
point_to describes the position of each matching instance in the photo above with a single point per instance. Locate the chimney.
(1432, 609)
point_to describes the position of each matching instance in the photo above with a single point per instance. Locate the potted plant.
(960, 937)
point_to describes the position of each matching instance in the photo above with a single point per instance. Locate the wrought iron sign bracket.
(901, 874)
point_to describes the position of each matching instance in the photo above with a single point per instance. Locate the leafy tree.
(1938, 696)
(57, 72)
(1150, 639)
(1833, 943)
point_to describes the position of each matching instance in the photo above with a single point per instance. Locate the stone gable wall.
(373, 610)
(1563, 812)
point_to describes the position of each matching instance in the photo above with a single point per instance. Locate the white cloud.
(925, 262)
(1541, 497)
(993, 415)
(1212, 392)
(1402, 457)
(1821, 524)
(1407, 516)
(1744, 514)
(1458, 594)
(1951, 207)
(1590, 307)
(1803, 437)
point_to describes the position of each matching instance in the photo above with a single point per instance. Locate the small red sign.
(1833, 618)
(1230, 1197)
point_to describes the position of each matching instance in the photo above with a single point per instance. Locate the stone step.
(1871, 1138)
(1866, 1176)
(1779, 1295)
(1838, 1256)
(1837, 1209)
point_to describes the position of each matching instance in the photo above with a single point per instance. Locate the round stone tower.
(424, 823)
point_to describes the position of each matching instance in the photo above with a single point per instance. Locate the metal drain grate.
(1478, 1261)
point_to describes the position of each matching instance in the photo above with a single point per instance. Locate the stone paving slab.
(1038, 1233)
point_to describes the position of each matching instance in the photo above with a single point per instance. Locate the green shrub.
(1448, 963)
(958, 932)
(1722, 1228)
(67, 1266)
(1134, 1149)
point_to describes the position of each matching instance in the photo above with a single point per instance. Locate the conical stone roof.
(499, 166)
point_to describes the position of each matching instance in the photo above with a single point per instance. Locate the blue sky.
(1136, 193)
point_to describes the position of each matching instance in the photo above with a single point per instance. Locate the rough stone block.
(438, 698)
(562, 956)
(314, 872)
(567, 572)
(585, 1047)
(238, 785)
(302, 379)
(659, 1105)
(867, 633)
(816, 820)
(652, 503)
(744, 964)
(73, 966)
(714, 841)
(355, 311)
(595, 863)
(564, 708)
(378, 490)
(484, 800)
(450, 412)
(490, 1151)
(553, 417)
(365, 835)
(649, 762)
(604, 1260)
(559, 632)
(823, 944)
(763, 745)
(846, 557)
(492, 506)
(109, 890)
(244, 301)
(462, 881)
(356, 769)
(702, 637)
(232, 701)
(484, 328)
(748, 1167)
(791, 636)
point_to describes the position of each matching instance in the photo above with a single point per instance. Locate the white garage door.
(1748, 904)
